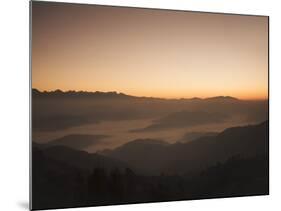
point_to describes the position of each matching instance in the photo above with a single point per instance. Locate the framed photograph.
(137, 105)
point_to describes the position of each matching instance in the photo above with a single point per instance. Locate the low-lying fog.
(106, 124)
(119, 132)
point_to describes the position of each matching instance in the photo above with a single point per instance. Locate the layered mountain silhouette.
(144, 154)
(150, 156)
(58, 110)
(99, 94)
(76, 158)
(231, 163)
(187, 158)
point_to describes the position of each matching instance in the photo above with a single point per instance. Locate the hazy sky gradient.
(145, 52)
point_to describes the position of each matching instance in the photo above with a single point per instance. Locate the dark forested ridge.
(232, 163)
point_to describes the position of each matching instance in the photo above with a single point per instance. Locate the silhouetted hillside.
(81, 159)
(144, 154)
(57, 184)
(236, 176)
(194, 156)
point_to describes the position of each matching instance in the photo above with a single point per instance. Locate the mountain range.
(113, 94)
(58, 110)
(231, 163)
(154, 156)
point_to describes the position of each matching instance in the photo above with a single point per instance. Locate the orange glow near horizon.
(153, 53)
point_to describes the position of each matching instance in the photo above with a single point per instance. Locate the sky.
(148, 52)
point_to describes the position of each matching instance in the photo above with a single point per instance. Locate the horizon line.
(142, 96)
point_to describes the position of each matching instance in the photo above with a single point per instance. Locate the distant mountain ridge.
(56, 110)
(72, 93)
(59, 93)
(221, 98)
